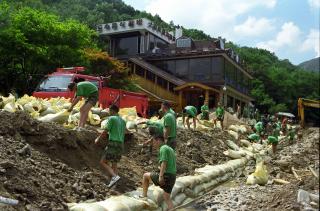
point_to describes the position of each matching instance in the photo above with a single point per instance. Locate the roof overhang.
(195, 84)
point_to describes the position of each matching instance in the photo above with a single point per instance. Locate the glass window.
(200, 69)
(55, 83)
(182, 67)
(152, 42)
(126, 46)
(160, 43)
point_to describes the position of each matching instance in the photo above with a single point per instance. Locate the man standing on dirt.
(205, 111)
(87, 90)
(166, 178)
(169, 125)
(116, 128)
(219, 115)
(190, 112)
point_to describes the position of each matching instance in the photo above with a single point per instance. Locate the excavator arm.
(308, 103)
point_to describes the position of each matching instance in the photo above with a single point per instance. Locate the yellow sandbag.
(132, 112)
(25, 99)
(59, 117)
(94, 119)
(49, 110)
(74, 119)
(259, 176)
(9, 99)
(10, 107)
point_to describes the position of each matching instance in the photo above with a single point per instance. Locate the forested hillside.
(311, 65)
(38, 35)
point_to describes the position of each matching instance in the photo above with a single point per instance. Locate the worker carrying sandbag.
(219, 115)
(87, 90)
(205, 111)
(190, 112)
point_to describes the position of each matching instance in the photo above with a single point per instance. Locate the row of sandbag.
(187, 188)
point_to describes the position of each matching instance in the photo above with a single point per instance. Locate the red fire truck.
(56, 85)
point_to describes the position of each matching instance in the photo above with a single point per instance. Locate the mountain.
(312, 65)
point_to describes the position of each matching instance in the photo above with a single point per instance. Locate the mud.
(45, 166)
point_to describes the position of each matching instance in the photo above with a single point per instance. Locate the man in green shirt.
(87, 90)
(205, 111)
(155, 130)
(190, 112)
(116, 128)
(219, 115)
(169, 125)
(166, 178)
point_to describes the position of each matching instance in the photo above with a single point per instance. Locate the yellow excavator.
(306, 103)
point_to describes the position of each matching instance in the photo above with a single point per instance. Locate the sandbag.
(59, 117)
(178, 200)
(86, 207)
(259, 176)
(96, 110)
(234, 154)
(177, 188)
(131, 125)
(245, 143)
(10, 107)
(232, 145)
(49, 110)
(93, 119)
(235, 135)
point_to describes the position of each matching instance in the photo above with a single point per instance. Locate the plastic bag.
(259, 176)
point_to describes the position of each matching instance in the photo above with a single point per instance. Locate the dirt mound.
(45, 166)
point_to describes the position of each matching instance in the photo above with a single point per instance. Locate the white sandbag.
(188, 181)
(95, 110)
(233, 128)
(235, 135)
(209, 185)
(232, 145)
(124, 203)
(245, 143)
(257, 147)
(198, 189)
(242, 129)
(178, 200)
(93, 119)
(86, 207)
(9, 99)
(28, 107)
(10, 107)
(177, 188)
(59, 117)
(48, 111)
(234, 154)
(131, 125)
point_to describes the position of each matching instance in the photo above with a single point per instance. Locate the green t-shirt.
(204, 109)
(85, 89)
(169, 120)
(219, 112)
(116, 128)
(158, 125)
(191, 111)
(167, 154)
(258, 126)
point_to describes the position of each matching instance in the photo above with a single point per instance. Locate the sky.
(289, 28)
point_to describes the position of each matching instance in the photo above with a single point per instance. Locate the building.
(169, 66)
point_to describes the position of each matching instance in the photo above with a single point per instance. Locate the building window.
(126, 46)
(200, 69)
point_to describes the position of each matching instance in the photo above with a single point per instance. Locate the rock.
(25, 151)
(7, 164)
